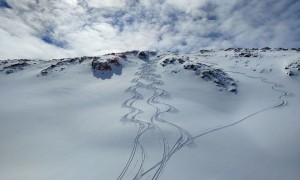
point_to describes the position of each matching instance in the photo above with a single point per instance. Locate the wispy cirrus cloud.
(61, 28)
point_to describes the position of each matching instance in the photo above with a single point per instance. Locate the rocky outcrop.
(11, 66)
(62, 64)
(248, 54)
(293, 68)
(217, 76)
(145, 55)
(172, 61)
(106, 64)
(206, 72)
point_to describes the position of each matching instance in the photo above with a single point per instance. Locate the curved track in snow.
(274, 87)
(147, 80)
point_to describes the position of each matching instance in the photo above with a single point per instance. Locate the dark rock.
(9, 71)
(204, 51)
(290, 73)
(181, 61)
(166, 61)
(122, 55)
(265, 48)
(233, 90)
(173, 60)
(229, 49)
(105, 65)
(18, 66)
(247, 53)
(293, 68)
(296, 49)
(217, 76)
(44, 72)
(238, 49)
(63, 63)
(143, 55)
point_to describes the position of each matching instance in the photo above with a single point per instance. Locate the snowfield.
(214, 114)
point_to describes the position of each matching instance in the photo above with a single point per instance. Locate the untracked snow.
(213, 114)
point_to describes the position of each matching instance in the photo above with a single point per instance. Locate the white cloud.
(186, 5)
(71, 2)
(60, 28)
(106, 3)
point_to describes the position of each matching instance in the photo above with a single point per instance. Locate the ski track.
(146, 73)
(274, 87)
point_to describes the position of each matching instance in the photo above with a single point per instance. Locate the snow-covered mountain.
(212, 114)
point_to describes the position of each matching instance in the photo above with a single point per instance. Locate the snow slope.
(212, 114)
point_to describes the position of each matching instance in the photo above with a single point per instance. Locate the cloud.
(106, 3)
(62, 28)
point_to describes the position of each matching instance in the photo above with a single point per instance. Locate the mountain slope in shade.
(212, 114)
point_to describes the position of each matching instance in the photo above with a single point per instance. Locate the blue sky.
(46, 29)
